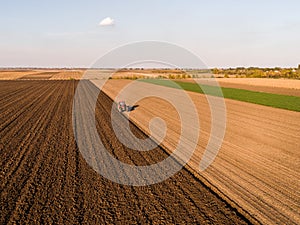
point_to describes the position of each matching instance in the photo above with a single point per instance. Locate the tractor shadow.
(132, 108)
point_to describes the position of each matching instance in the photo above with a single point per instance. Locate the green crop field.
(261, 98)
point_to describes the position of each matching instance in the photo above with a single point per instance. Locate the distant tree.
(215, 71)
(299, 67)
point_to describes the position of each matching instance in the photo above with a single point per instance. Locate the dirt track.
(257, 168)
(44, 179)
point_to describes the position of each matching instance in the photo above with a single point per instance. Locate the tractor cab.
(122, 106)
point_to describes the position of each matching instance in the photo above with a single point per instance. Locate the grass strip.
(261, 98)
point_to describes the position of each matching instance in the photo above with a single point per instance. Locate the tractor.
(122, 106)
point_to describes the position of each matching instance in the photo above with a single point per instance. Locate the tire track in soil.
(54, 184)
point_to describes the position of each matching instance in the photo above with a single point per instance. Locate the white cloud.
(107, 22)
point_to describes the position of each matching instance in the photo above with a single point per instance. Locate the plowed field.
(45, 180)
(258, 166)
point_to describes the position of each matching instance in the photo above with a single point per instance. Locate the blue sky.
(221, 33)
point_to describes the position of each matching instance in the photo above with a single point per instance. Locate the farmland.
(142, 112)
(261, 98)
(40, 74)
(254, 178)
(257, 167)
(276, 86)
(45, 180)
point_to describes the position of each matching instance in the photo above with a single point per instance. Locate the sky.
(222, 33)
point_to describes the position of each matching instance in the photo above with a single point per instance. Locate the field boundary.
(286, 102)
(232, 204)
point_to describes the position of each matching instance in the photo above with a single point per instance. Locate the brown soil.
(257, 168)
(45, 180)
